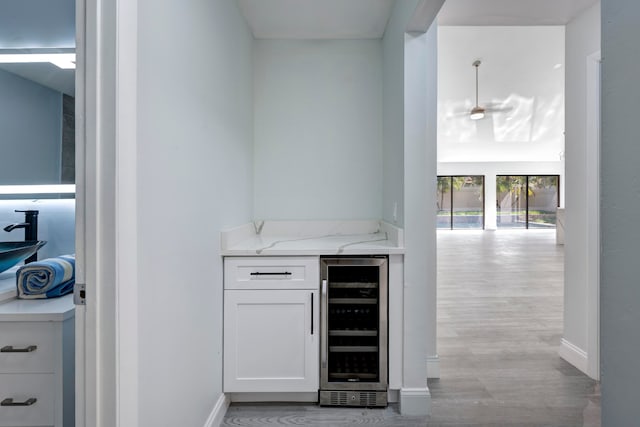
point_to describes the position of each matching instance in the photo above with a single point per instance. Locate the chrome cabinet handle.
(9, 402)
(324, 288)
(311, 313)
(260, 273)
(12, 349)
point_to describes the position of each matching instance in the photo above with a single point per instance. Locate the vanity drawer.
(27, 347)
(21, 388)
(271, 272)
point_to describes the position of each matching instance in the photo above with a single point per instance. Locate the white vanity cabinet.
(37, 363)
(271, 324)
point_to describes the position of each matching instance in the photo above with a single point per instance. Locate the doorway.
(449, 164)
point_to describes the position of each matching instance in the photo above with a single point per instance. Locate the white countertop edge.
(313, 252)
(37, 310)
(350, 237)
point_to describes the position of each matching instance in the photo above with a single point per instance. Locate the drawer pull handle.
(259, 273)
(9, 402)
(12, 349)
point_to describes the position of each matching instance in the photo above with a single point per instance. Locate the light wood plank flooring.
(499, 328)
(500, 309)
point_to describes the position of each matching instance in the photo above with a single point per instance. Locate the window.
(460, 202)
(527, 201)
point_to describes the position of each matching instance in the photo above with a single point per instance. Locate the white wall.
(420, 216)
(522, 70)
(194, 173)
(410, 113)
(393, 112)
(31, 124)
(582, 40)
(318, 129)
(620, 269)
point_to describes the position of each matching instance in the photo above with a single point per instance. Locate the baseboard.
(219, 410)
(415, 401)
(574, 355)
(311, 397)
(433, 366)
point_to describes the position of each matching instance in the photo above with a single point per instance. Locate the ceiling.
(317, 19)
(364, 19)
(511, 12)
(52, 27)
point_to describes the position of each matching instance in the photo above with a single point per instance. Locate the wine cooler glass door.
(354, 321)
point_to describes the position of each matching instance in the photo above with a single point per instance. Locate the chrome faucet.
(30, 226)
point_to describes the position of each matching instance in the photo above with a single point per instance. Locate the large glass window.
(527, 201)
(444, 202)
(460, 202)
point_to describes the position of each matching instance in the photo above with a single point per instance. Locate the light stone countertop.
(291, 238)
(41, 310)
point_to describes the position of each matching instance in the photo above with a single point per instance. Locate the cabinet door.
(271, 341)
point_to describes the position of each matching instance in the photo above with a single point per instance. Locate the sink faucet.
(30, 226)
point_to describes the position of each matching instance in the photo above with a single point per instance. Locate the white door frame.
(593, 214)
(84, 342)
(106, 213)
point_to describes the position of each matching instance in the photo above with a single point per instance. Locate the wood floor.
(499, 328)
(500, 308)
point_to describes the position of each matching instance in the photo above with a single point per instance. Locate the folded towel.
(49, 278)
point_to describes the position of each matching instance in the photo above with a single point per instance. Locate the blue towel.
(49, 278)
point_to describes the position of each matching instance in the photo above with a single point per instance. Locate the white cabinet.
(271, 324)
(37, 363)
(271, 341)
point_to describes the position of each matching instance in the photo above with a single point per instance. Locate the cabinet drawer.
(17, 337)
(271, 273)
(20, 388)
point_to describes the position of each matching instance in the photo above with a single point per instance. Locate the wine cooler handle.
(311, 313)
(323, 301)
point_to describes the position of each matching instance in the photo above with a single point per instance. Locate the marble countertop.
(42, 310)
(312, 238)
(8, 284)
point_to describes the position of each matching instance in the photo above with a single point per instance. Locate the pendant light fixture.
(477, 112)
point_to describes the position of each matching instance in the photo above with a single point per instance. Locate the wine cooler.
(353, 342)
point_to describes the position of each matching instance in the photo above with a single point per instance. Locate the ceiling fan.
(478, 112)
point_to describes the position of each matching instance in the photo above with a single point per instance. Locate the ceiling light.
(477, 113)
(62, 60)
(38, 189)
